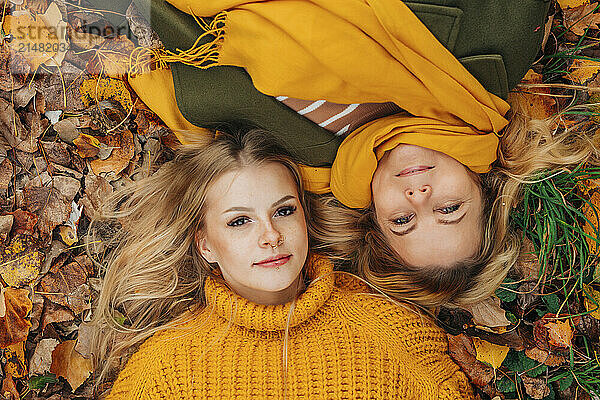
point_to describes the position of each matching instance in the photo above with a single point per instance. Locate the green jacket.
(496, 41)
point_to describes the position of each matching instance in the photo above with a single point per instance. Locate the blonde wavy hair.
(527, 146)
(155, 275)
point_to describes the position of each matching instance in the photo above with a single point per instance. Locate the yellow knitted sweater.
(342, 344)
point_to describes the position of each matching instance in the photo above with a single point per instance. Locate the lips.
(276, 261)
(417, 169)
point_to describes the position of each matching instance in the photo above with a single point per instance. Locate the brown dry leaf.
(6, 224)
(57, 152)
(97, 189)
(589, 304)
(67, 286)
(20, 261)
(87, 145)
(545, 357)
(461, 349)
(580, 18)
(535, 387)
(84, 339)
(564, 4)
(6, 174)
(490, 353)
(560, 333)
(14, 328)
(123, 151)
(535, 101)
(24, 222)
(488, 313)
(528, 262)
(69, 364)
(54, 313)
(14, 69)
(9, 389)
(42, 357)
(112, 58)
(591, 190)
(84, 40)
(51, 207)
(583, 70)
(94, 91)
(11, 125)
(15, 360)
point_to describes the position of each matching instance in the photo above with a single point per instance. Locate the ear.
(204, 248)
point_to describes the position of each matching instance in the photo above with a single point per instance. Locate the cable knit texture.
(343, 343)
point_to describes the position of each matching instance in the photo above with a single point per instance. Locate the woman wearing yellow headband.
(428, 171)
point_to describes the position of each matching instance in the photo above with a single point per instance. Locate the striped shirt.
(339, 118)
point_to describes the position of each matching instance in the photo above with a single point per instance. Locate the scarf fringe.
(203, 56)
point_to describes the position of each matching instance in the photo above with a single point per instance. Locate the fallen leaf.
(490, 353)
(84, 339)
(488, 313)
(9, 389)
(42, 357)
(123, 151)
(97, 189)
(67, 186)
(6, 224)
(572, 3)
(594, 308)
(15, 360)
(535, 102)
(68, 235)
(67, 130)
(69, 364)
(112, 58)
(39, 36)
(84, 40)
(51, 207)
(24, 222)
(61, 91)
(14, 69)
(67, 286)
(535, 387)
(560, 333)
(590, 189)
(461, 349)
(94, 91)
(545, 357)
(6, 174)
(583, 70)
(14, 328)
(580, 18)
(54, 313)
(87, 145)
(10, 124)
(20, 261)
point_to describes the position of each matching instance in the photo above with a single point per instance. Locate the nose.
(270, 236)
(418, 194)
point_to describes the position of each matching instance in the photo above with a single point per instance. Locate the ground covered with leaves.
(73, 131)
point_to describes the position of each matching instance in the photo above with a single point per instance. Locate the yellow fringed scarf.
(356, 51)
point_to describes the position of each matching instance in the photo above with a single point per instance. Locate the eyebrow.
(444, 222)
(278, 202)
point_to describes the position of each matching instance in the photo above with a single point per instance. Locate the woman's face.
(428, 206)
(256, 232)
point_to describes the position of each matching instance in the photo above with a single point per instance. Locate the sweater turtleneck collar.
(261, 317)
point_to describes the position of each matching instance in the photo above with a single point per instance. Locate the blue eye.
(402, 220)
(285, 211)
(450, 209)
(238, 221)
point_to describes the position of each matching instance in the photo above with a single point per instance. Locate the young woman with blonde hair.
(216, 277)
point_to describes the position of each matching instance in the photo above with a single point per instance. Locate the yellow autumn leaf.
(582, 70)
(20, 263)
(15, 360)
(572, 3)
(490, 353)
(31, 37)
(96, 90)
(589, 304)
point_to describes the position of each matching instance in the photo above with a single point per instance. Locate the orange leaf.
(534, 101)
(96, 90)
(69, 364)
(560, 333)
(29, 33)
(545, 357)
(461, 349)
(583, 70)
(14, 328)
(580, 18)
(123, 151)
(20, 262)
(112, 57)
(589, 304)
(87, 145)
(15, 360)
